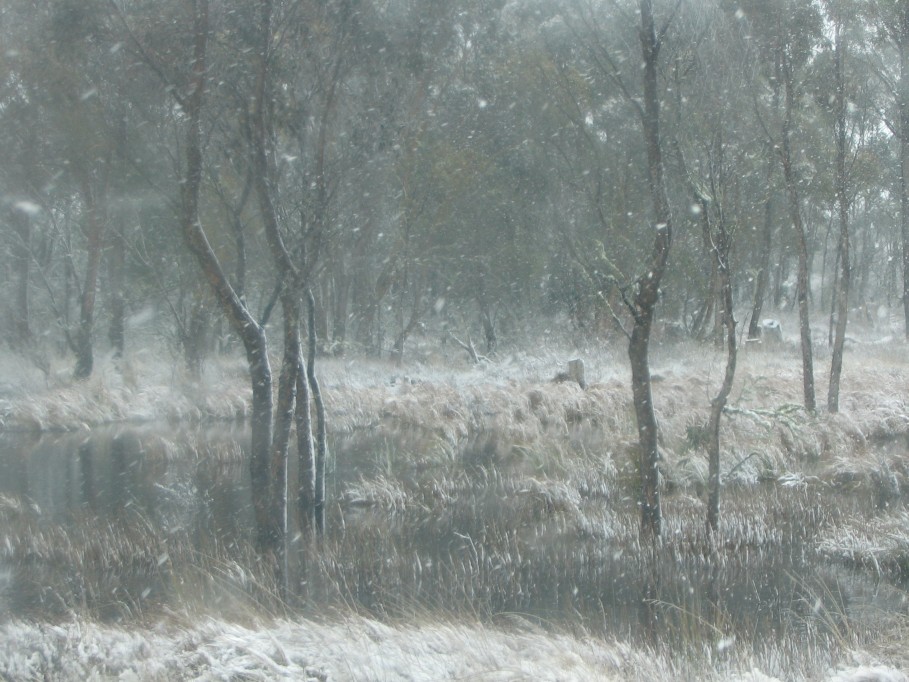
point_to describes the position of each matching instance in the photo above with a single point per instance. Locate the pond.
(124, 521)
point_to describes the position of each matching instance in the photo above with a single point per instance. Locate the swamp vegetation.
(498, 498)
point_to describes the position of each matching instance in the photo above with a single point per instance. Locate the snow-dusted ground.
(356, 649)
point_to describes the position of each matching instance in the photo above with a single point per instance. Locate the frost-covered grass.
(356, 648)
(352, 649)
(879, 543)
(139, 387)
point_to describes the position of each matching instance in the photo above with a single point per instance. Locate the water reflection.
(174, 478)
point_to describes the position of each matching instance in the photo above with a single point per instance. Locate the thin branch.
(146, 57)
(469, 347)
(662, 32)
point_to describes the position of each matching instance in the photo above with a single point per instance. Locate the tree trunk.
(763, 276)
(340, 299)
(194, 337)
(321, 447)
(306, 493)
(489, 329)
(705, 314)
(845, 274)
(717, 245)
(647, 286)
(94, 230)
(369, 333)
(486, 317)
(902, 40)
(721, 255)
(22, 258)
(406, 325)
(250, 332)
(803, 282)
(288, 274)
(284, 420)
(116, 331)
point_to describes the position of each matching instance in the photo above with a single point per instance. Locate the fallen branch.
(469, 347)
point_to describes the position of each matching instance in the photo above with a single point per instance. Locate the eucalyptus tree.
(307, 50)
(891, 18)
(787, 34)
(274, 84)
(644, 99)
(843, 200)
(645, 293)
(148, 41)
(711, 144)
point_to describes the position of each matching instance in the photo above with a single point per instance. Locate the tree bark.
(721, 256)
(284, 420)
(116, 331)
(842, 198)
(22, 258)
(902, 41)
(647, 286)
(94, 231)
(717, 243)
(194, 336)
(803, 283)
(250, 332)
(321, 447)
(293, 373)
(306, 492)
(763, 276)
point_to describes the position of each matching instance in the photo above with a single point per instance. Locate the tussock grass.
(136, 388)
(879, 543)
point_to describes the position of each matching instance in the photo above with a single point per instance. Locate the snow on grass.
(514, 409)
(355, 648)
(866, 673)
(567, 446)
(137, 388)
(880, 542)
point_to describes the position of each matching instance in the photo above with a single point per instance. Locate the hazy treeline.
(460, 165)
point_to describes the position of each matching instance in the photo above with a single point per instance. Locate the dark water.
(119, 521)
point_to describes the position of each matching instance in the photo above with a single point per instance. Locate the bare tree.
(795, 215)
(94, 229)
(843, 201)
(241, 319)
(645, 295)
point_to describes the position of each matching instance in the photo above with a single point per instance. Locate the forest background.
(442, 168)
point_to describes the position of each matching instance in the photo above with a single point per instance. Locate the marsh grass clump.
(487, 541)
(477, 541)
(105, 569)
(130, 568)
(878, 543)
